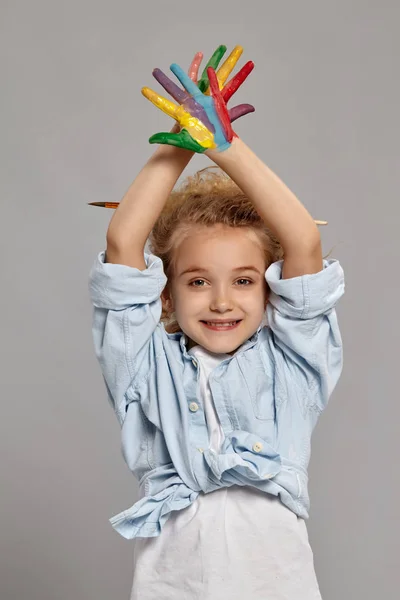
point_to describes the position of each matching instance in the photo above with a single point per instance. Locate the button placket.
(218, 397)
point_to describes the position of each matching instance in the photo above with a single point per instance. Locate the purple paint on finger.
(239, 111)
(169, 86)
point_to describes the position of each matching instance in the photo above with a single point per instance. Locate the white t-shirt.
(230, 544)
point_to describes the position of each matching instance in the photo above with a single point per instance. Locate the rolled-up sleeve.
(302, 317)
(126, 311)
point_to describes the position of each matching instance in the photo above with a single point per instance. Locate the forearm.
(279, 208)
(142, 204)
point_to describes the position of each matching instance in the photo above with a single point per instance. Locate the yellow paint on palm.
(195, 128)
(227, 67)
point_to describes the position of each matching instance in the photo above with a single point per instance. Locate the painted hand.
(202, 112)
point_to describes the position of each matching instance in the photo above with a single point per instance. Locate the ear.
(167, 299)
(266, 297)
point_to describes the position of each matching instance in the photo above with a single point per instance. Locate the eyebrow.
(201, 270)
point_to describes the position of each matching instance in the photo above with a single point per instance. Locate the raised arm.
(142, 204)
(279, 208)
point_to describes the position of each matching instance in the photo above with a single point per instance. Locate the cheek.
(258, 304)
(186, 302)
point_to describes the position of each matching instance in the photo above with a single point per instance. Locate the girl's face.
(218, 276)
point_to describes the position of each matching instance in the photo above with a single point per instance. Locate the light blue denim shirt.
(268, 394)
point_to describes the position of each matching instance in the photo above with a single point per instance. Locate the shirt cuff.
(305, 296)
(116, 287)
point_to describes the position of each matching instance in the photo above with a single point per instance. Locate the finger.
(163, 104)
(181, 140)
(169, 86)
(192, 135)
(214, 61)
(239, 111)
(185, 80)
(220, 106)
(234, 84)
(226, 69)
(194, 67)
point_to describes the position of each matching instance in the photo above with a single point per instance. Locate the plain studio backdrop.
(75, 129)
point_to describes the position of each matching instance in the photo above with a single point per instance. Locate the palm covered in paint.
(202, 111)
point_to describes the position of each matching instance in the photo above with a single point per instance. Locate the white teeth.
(221, 324)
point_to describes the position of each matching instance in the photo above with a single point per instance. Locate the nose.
(221, 301)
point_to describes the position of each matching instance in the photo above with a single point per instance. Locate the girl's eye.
(246, 280)
(196, 281)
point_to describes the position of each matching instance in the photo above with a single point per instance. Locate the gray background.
(74, 129)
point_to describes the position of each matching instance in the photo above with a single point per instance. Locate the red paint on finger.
(220, 105)
(234, 84)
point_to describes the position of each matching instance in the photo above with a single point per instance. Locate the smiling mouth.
(221, 325)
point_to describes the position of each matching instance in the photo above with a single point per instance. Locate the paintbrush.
(116, 204)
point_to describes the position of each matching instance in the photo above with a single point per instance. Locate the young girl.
(219, 349)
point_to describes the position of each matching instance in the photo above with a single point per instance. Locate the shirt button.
(257, 447)
(194, 362)
(200, 450)
(193, 406)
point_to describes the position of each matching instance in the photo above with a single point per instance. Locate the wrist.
(229, 154)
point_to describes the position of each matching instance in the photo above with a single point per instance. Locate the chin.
(223, 346)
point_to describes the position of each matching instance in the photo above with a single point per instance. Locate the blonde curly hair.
(207, 198)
